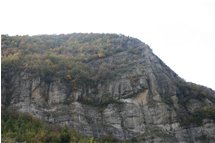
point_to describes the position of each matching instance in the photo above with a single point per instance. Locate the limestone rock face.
(145, 102)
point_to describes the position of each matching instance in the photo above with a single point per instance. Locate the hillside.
(104, 85)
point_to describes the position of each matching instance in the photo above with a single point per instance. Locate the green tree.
(65, 135)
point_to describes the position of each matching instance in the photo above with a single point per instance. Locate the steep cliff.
(104, 85)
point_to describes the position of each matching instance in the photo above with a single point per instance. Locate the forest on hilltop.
(63, 56)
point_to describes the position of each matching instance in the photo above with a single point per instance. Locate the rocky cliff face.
(137, 97)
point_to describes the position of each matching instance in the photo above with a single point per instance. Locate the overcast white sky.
(180, 32)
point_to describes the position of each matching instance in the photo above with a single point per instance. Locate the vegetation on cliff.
(21, 127)
(66, 57)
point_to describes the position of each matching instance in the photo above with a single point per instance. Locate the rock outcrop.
(139, 98)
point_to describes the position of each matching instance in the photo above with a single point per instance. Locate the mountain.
(106, 86)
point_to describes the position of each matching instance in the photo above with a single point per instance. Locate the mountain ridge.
(104, 85)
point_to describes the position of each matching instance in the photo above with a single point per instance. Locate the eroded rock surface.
(145, 102)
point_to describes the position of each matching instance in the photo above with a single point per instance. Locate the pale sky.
(180, 32)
